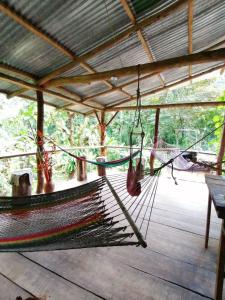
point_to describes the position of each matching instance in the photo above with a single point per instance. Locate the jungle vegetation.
(177, 127)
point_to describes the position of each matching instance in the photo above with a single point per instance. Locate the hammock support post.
(221, 152)
(155, 142)
(40, 126)
(127, 215)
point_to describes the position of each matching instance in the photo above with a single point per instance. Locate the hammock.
(106, 164)
(97, 214)
(175, 154)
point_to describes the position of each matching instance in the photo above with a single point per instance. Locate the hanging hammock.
(106, 164)
(97, 214)
(167, 152)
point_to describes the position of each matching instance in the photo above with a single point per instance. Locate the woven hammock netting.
(97, 214)
(164, 152)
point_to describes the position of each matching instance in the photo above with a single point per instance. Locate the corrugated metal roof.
(87, 90)
(25, 51)
(208, 23)
(144, 9)
(127, 53)
(79, 25)
(169, 37)
(111, 97)
(145, 85)
(83, 25)
(174, 75)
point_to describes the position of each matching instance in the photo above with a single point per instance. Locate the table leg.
(208, 222)
(220, 265)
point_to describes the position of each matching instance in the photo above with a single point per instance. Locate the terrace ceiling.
(45, 40)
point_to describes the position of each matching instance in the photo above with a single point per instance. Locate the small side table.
(216, 186)
(21, 181)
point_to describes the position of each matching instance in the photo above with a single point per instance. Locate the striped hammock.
(97, 214)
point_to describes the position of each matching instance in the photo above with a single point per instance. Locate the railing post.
(221, 151)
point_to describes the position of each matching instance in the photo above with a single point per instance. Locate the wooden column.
(221, 151)
(40, 125)
(102, 134)
(152, 157)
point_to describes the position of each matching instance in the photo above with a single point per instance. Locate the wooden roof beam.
(190, 30)
(26, 97)
(141, 37)
(170, 106)
(34, 87)
(18, 72)
(189, 78)
(158, 66)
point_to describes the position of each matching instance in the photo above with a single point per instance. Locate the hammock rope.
(106, 164)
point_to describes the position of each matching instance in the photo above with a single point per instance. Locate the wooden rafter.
(15, 71)
(112, 118)
(189, 78)
(158, 66)
(97, 117)
(26, 97)
(34, 87)
(169, 105)
(190, 30)
(141, 37)
(50, 40)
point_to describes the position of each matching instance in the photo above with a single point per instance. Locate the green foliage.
(177, 127)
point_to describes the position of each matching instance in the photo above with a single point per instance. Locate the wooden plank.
(39, 281)
(173, 255)
(114, 279)
(10, 290)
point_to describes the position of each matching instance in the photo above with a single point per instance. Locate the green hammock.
(106, 164)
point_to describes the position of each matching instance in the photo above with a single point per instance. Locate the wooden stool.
(101, 170)
(21, 181)
(81, 169)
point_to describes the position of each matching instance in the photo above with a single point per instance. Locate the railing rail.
(13, 155)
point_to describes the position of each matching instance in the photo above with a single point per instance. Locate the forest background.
(178, 127)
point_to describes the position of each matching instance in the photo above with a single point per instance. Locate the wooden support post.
(40, 125)
(102, 134)
(152, 157)
(221, 151)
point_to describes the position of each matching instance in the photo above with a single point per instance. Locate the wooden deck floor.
(174, 266)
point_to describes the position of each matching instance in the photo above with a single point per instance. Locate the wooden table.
(216, 186)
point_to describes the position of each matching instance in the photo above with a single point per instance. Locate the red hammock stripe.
(52, 232)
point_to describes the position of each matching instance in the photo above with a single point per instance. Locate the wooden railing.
(13, 155)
